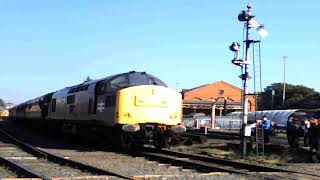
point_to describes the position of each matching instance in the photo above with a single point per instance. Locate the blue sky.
(47, 45)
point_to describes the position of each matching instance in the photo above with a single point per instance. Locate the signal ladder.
(256, 59)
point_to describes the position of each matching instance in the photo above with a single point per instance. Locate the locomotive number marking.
(100, 106)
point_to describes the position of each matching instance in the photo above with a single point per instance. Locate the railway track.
(110, 158)
(213, 134)
(205, 168)
(211, 164)
(198, 134)
(28, 161)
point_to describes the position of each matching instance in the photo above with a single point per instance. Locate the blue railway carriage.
(132, 108)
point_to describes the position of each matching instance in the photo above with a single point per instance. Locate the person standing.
(318, 138)
(266, 128)
(306, 127)
(314, 135)
(292, 133)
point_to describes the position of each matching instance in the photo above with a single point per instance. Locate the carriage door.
(106, 98)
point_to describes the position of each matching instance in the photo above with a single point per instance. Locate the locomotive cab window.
(100, 89)
(118, 83)
(145, 79)
(138, 79)
(156, 81)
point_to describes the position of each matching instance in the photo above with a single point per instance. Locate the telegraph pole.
(284, 82)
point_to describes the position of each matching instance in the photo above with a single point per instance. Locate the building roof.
(218, 91)
(218, 82)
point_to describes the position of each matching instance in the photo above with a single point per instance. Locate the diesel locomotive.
(132, 108)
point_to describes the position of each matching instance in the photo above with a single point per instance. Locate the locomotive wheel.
(136, 148)
(160, 141)
(125, 140)
(128, 144)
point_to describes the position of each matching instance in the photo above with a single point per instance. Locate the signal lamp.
(234, 47)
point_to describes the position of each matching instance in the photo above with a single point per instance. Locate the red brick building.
(227, 96)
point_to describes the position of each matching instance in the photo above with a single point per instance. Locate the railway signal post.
(246, 17)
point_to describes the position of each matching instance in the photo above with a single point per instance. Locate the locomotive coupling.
(131, 127)
(178, 129)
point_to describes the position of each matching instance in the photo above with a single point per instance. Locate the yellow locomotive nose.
(174, 115)
(148, 104)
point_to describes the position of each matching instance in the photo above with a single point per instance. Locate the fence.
(222, 122)
(225, 122)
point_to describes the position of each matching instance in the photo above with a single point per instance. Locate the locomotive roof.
(102, 79)
(82, 84)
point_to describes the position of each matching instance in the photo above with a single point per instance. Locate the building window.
(221, 92)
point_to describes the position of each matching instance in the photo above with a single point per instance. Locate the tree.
(297, 97)
(2, 104)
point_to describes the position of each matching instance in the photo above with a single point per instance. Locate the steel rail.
(61, 160)
(216, 163)
(21, 171)
(26, 147)
(189, 162)
(214, 160)
(213, 135)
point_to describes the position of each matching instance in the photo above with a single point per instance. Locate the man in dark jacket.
(292, 133)
(314, 135)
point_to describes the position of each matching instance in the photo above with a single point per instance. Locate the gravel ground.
(137, 166)
(6, 173)
(277, 154)
(38, 166)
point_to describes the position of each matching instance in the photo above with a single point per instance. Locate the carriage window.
(70, 99)
(53, 105)
(118, 83)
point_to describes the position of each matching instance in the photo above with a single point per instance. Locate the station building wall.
(218, 91)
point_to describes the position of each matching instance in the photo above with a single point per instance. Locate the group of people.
(309, 129)
(266, 125)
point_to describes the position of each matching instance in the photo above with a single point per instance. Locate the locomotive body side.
(134, 106)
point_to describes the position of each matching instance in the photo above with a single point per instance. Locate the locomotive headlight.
(131, 127)
(178, 129)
